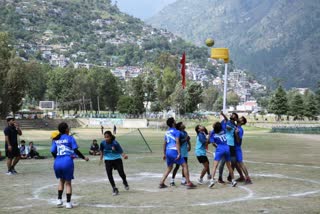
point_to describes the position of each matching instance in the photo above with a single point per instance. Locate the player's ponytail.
(110, 134)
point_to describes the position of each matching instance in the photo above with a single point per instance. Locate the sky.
(142, 9)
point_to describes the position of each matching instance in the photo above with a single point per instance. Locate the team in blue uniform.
(222, 150)
(64, 149)
(201, 152)
(172, 153)
(229, 127)
(184, 149)
(112, 153)
(238, 142)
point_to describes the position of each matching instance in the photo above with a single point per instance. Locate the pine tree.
(279, 103)
(317, 98)
(297, 107)
(310, 107)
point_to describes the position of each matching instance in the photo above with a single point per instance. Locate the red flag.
(183, 69)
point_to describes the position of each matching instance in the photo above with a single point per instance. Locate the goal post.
(134, 142)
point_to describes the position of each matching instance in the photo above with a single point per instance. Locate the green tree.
(178, 99)
(37, 80)
(279, 103)
(210, 95)
(297, 107)
(60, 81)
(15, 84)
(125, 104)
(5, 55)
(110, 90)
(167, 80)
(310, 106)
(218, 104)
(137, 95)
(194, 96)
(232, 99)
(317, 97)
(149, 88)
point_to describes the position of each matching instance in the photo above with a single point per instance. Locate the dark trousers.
(117, 165)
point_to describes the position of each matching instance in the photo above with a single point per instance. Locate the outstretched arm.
(223, 115)
(80, 155)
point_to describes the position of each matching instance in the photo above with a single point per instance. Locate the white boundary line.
(142, 176)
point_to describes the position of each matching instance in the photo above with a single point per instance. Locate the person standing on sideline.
(102, 129)
(11, 133)
(64, 148)
(114, 130)
(171, 153)
(112, 152)
(185, 149)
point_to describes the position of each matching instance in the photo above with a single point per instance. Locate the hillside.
(270, 38)
(63, 32)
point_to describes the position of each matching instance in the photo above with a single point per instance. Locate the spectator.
(33, 153)
(94, 148)
(23, 150)
(114, 129)
(102, 129)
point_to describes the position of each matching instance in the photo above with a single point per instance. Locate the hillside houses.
(238, 81)
(126, 72)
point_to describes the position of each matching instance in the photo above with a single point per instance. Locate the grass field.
(285, 171)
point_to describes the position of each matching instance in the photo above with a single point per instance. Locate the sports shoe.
(212, 183)
(240, 179)
(172, 184)
(162, 186)
(69, 205)
(59, 202)
(9, 172)
(248, 181)
(234, 183)
(115, 192)
(221, 181)
(126, 187)
(14, 171)
(209, 177)
(200, 181)
(183, 183)
(190, 185)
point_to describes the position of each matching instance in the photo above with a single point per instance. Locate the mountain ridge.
(272, 39)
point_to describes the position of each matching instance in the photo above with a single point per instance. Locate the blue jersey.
(65, 146)
(63, 164)
(211, 137)
(111, 151)
(200, 149)
(170, 138)
(220, 139)
(230, 133)
(224, 125)
(184, 143)
(240, 134)
(222, 147)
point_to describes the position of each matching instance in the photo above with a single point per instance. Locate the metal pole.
(98, 105)
(225, 87)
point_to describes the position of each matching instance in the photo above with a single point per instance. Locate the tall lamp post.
(221, 53)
